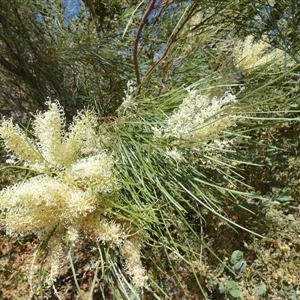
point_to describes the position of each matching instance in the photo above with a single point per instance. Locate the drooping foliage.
(43, 56)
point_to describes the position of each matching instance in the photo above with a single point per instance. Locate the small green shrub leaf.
(222, 289)
(240, 266)
(231, 285)
(236, 256)
(259, 290)
(285, 195)
(235, 293)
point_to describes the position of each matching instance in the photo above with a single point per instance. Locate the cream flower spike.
(48, 128)
(55, 148)
(19, 144)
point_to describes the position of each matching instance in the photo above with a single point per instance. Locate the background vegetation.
(215, 223)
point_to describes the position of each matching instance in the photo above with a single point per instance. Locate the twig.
(172, 40)
(136, 44)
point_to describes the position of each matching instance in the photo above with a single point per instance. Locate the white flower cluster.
(75, 177)
(134, 267)
(41, 202)
(249, 55)
(54, 149)
(175, 154)
(129, 104)
(66, 189)
(198, 118)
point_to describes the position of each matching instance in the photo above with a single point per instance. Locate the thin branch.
(136, 44)
(172, 40)
(11, 68)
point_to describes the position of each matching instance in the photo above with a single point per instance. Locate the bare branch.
(136, 44)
